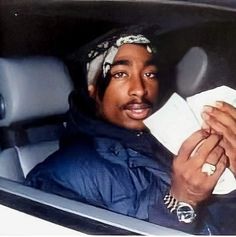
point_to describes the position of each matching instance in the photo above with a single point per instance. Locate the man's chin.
(135, 125)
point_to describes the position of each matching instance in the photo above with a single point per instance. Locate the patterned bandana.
(102, 57)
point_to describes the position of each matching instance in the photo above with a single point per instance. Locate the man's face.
(132, 91)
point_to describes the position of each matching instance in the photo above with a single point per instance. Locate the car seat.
(202, 69)
(33, 104)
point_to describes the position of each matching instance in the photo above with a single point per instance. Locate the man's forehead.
(128, 53)
(132, 47)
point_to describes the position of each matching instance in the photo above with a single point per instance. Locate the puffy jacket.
(114, 168)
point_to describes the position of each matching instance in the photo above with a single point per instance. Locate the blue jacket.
(114, 168)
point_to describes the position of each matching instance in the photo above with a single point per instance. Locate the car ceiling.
(56, 27)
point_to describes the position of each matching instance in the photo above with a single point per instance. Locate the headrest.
(191, 70)
(202, 69)
(32, 87)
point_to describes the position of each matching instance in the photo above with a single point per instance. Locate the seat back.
(202, 69)
(33, 103)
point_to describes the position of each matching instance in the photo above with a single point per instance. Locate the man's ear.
(92, 91)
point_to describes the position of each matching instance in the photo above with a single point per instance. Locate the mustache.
(144, 103)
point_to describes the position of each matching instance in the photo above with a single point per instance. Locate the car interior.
(29, 132)
(195, 42)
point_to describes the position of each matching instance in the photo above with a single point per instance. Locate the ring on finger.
(208, 168)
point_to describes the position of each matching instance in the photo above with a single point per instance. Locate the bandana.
(101, 58)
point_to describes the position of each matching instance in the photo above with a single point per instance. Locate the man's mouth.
(138, 111)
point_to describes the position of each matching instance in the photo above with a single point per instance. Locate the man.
(112, 161)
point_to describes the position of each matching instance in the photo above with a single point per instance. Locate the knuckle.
(223, 161)
(218, 151)
(212, 138)
(231, 133)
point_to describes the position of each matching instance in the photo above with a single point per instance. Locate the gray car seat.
(33, 103)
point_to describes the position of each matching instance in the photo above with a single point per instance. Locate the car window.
(190, 33)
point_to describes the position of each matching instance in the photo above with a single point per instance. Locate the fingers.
(223, 106)
(201, 148)
(208, 152)
(220, 167)
(189, 144)
(230, 151)
(215, 155)
(222, 119)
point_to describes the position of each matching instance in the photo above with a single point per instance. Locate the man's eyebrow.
(151, 62)
(120, 62)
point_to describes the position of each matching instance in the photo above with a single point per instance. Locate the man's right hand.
(189, 183)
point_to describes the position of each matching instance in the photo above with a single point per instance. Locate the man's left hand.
(221, 119)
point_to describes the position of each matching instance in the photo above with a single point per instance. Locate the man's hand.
(189, 183)
(221, 119)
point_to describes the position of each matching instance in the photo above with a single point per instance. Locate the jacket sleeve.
(159, 214)
(67, 173)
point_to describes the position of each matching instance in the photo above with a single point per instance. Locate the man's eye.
(119, 75)
(151, 75)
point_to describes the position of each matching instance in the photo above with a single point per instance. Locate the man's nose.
(137, 87)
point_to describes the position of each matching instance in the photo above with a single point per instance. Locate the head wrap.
(101, 58)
